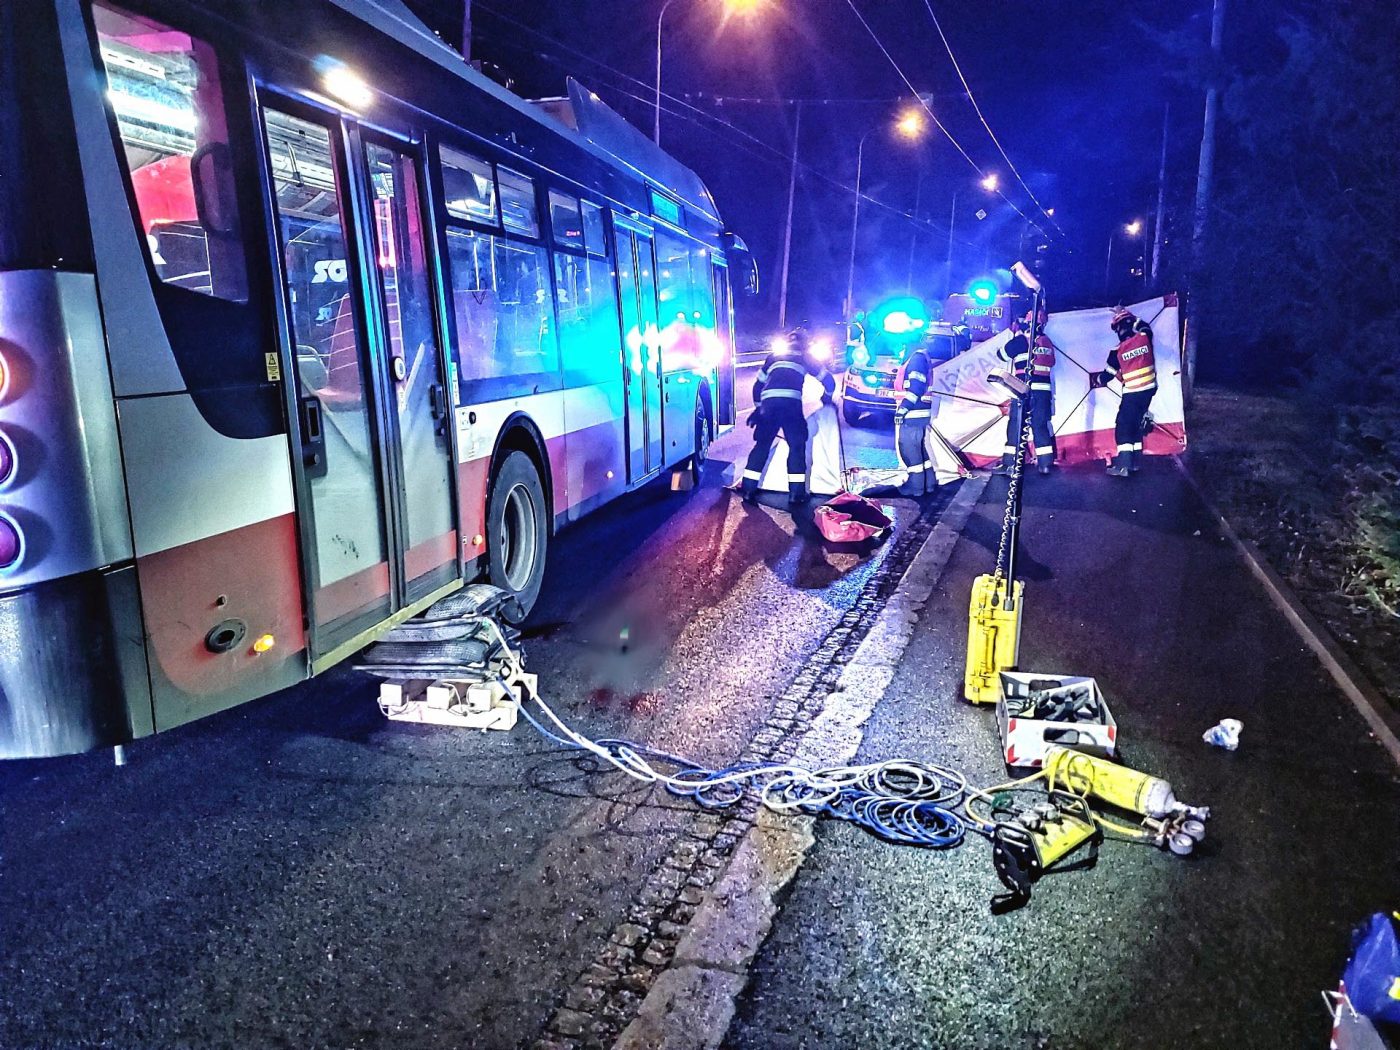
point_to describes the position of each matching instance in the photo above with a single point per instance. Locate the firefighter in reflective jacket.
(777, 398)
(1032, 362)
(1135, 365)
(1041, 378)
(911, 420)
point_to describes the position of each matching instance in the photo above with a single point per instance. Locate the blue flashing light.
(983, 291)
(901, 322)
(861, 355)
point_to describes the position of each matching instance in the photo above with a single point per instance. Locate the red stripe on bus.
(424, 557)
(352, 592)
(249, 574)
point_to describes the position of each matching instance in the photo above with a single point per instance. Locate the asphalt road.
(298, 872)
(1130, 582)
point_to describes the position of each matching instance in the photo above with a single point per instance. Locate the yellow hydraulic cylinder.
(993, 637)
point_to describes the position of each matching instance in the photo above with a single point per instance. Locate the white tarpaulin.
(968, 426)
(823, 456)
(969, 421)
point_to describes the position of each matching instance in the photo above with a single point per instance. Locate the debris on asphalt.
(1225, 733)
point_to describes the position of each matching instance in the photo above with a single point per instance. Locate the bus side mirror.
(743, 268)
(211, 179)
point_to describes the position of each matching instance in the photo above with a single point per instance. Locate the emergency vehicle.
(874, 373)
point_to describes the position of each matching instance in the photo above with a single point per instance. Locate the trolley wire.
(978, 109)
(773, 154)
(933, 116)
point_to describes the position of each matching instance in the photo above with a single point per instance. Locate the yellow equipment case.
(993, 637)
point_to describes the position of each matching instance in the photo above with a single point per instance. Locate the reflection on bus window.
(682, 313)
(564, 220)
(501, 305)
(469, 188)
(163, 87)
(594, 234)
(590, 332)
(518, 203)
(314, 253)
(350, 538)
(403, 269)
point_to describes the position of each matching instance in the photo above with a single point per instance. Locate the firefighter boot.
(1122, 465)
(750, 490)
(1136, 463)
(1044, 460)
(1007, 465)
(798, 494)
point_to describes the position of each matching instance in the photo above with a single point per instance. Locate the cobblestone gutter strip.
(669, 973)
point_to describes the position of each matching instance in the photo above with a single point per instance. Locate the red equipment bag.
(848, 518)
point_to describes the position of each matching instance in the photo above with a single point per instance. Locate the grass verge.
(1317, 488)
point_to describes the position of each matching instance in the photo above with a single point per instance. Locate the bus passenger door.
(344, 531)
(408, 344)
(725, 408)
(375, 482)
(641, 353)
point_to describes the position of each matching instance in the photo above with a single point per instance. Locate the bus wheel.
(517, 527)
(702, 440)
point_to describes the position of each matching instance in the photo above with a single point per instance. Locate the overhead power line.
(933, 116)
(978, 109)
(749, 140)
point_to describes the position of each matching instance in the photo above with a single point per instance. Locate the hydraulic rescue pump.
(1166, 822)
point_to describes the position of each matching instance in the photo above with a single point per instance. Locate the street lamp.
(989, 183)
(731, 7)
(910, 127)
(1132, 229)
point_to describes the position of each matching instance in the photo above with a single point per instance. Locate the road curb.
(1364, 696)
(692, 1002)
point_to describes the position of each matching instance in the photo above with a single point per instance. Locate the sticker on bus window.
(274, 368)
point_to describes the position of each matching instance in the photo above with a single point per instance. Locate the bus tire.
(517, 529)
(704, 433)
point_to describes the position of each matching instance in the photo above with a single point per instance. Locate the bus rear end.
(72, 660)
(148, 540)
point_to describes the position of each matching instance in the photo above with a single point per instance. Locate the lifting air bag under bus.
(993, 638)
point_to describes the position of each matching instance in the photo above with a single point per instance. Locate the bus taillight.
(11, 543)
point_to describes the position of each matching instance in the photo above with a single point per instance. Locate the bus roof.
(587, 120)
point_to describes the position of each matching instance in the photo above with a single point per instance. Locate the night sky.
(1074, 89)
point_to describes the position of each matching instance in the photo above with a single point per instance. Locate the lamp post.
(988, 182)
(742, 7)
(910, 126)
(1132, 229)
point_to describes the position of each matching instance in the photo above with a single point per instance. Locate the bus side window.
(164, 88)
(502, 309)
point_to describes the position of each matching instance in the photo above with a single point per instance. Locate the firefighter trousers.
(779, 415)
(1042, 408)
(1132, 410)
(910, 432)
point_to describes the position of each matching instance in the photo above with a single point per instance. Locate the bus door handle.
(437, 406)
(313, 437)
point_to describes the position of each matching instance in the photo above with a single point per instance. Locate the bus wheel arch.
(519, 511)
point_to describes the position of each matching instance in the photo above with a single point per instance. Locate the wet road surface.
(300, 872)
(1130, 582)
